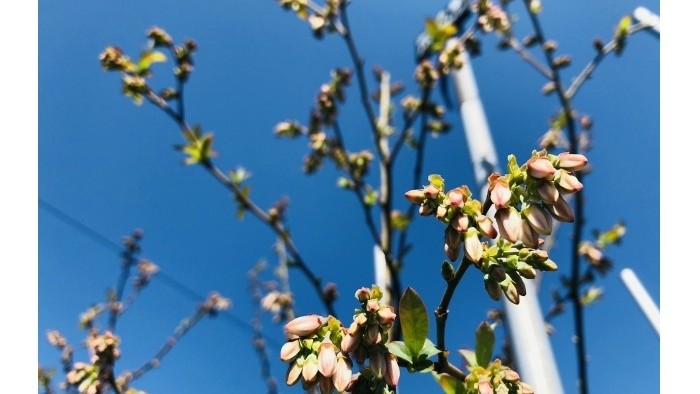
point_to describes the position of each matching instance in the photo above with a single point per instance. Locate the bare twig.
(587, 71)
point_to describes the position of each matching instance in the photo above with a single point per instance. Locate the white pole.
(648, 18)
(640, 294)
(534, 357)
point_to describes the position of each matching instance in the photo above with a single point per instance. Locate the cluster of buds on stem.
(496, 378)
(93, 377)
(135, 74)
(320, 19)
(491, 17)
(320, 350)
(526, 199)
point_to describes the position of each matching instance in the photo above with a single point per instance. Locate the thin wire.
(164, 278)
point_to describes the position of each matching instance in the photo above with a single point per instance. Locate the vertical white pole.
(533, 352)
(640, 294)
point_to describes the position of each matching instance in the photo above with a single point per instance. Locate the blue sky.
(111, 165)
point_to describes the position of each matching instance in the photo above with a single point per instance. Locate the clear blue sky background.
(111, 165)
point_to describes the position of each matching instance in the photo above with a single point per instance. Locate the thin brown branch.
(443, 365)
(565, 102)
(528, 57)
(587, 71)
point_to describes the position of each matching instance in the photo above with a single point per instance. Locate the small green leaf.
(484, 344)
(450, 384)
(623, 26)
(148, 58)
(399, 349)
(429, 349)
(370, 197)
(414, 321)
(612, 236)
(469, 357)
(437, 181)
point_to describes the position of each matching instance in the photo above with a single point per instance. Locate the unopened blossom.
(568, 183)
(561, 210)
(460, 223)
(509, 226)
(486, 226)
(303, 325)
(343, 373)
(473, 248)
(415, 196)
(386, 315)
(538, 218)
(572, 161)
(500, 193)
(453, 241)
(548, 192)
(456, 198)
(431, 191)
(310, 369)
(294, 371)
(290, 350)
(326, 358)
(528, 234)
(377, 363)
(392, 369)
(540, 168)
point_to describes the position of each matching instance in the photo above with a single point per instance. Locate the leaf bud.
(447, 271)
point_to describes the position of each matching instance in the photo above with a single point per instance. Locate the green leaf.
(612, 236)
(399, 349)
(437, 181)
(429, 349)
(148, 58)
(623, 26)
(414, 321)
(449, 384)
(484, 344)
(469, 357)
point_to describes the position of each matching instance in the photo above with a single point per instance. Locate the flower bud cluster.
(88, 378)
(450, 57)
(314, 355)
(323, 115)
(491, 17)
(496, 378)
(426, 75)
(277, 303)
(319, 350)
(526, 199)
(320, 19)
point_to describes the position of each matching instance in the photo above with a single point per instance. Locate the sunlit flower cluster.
(320, 350)
(526, 199)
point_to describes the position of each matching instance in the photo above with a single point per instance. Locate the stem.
(246, 202)
(593, 64)
(128, 260)
(180, 331)
(443, 365)
(565, 102)
(528, 58)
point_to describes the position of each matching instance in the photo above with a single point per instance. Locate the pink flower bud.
(290, 350)
(440, 212)
(460, 223)
(303, 326)
(509, 226)
(568, 183)
(453, 241)
(486, 226)
(310, 368)
(538, 218)
(548, 192)
(431, 191)
(350, 343)
(540, 168)
(415, 196)
(343, 374)
(485, 385)
(377, 364)
(374, 336)
(511, 376)
(363, 294)
(326, 358)
(472, 246)
(392, 370)
(386, 315)
(294, 372)
(456, 198)
(500, 193)
(528, 235)
(561, 210)
(572, 161)
(372, 305)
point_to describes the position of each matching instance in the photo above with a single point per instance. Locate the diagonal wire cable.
(164, 278)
